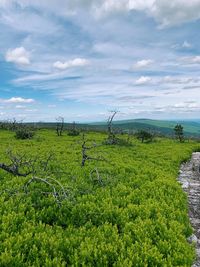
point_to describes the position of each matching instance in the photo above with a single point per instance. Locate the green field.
(132, 212)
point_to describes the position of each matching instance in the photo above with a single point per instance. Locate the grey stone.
(189, 177)
(192, 239)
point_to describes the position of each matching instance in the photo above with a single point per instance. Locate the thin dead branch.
(23, 166)
(96, 177)
(59, 126)
(111, 139)
(85, 155)
(57, 189)
(109, 123)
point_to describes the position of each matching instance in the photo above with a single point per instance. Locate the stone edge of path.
(189, 177)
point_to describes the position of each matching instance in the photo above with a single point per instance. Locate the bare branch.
(21, 165)
(59, 126)
(109, 122)
(59, 194)
(85, 155)
(13, 169)
(111, 135)
(97, 178)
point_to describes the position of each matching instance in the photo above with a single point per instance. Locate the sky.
(82, 59)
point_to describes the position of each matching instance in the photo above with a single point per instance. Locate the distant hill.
(191, 128)
(159, 126)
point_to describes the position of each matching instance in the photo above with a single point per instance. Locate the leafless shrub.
(111, 135)
(23, 165)
(73, 131)
(85, 149)
(59, 126)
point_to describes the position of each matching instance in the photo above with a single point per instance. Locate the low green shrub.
(73, 132)
(133, 212)
(24, 133)
(144, 136)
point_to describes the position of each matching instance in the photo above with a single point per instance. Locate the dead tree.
(109, 122)
(111, 135)
(21, 165)
(13, 169)
(85, 150)
(17, 164)
(59, 126)
(14, 124)
(11, 125)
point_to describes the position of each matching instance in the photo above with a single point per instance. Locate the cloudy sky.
(80, 59)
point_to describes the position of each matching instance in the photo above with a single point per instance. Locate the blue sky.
(81, 59)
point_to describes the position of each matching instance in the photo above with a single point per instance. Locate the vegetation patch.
(127, 210)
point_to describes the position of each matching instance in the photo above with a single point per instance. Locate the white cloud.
(191, 60)
(114, 5)
(143, 80)
(175, 12)
(40, 77)
(18, 55)
(186, 106)
(180, 107)
(178, 80)
(31, 110)
(109, 48)
(142, 63)
(77, 62)
(167, 13)
(20, 107)
(186, 44)
(17, 100)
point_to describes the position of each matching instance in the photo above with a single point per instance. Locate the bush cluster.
(24, 133)
(73, 132)
(144, 136)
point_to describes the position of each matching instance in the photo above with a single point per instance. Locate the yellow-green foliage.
(137, 217)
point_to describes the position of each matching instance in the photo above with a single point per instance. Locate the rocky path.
(190, 179)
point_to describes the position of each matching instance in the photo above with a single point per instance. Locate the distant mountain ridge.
(161, 126)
